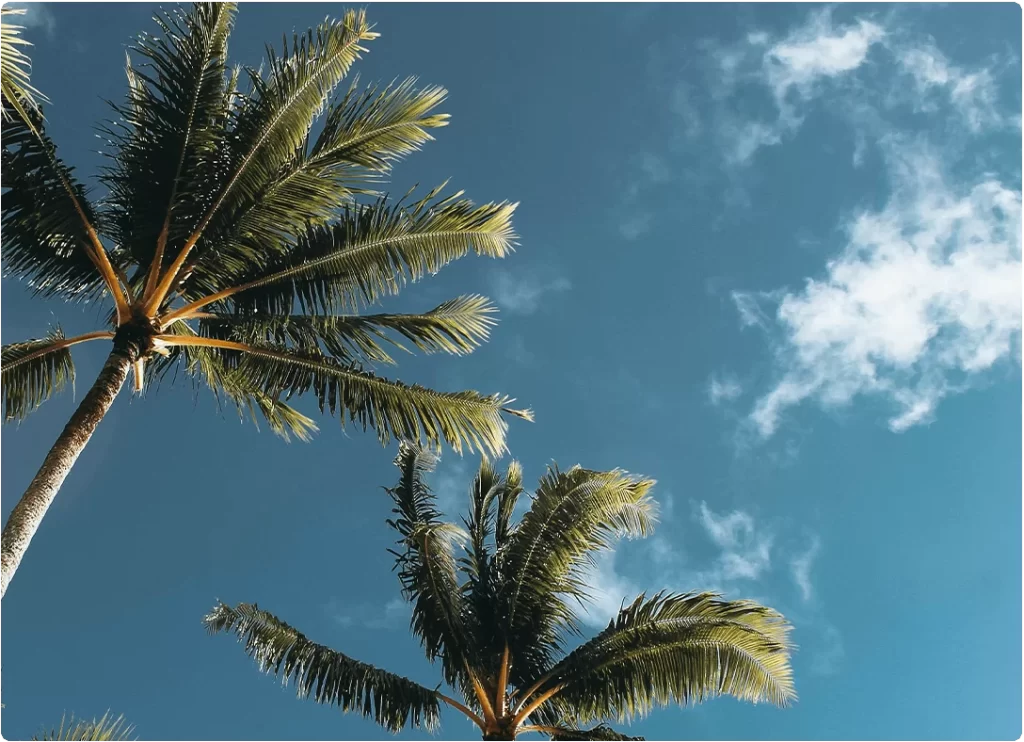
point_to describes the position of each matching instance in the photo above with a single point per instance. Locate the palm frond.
(272, 124)
(327, 676)
(458, 326)
(16, 68)
(44, 215)
(395, 410)
(283, 419)
(573, 515)
(600, 732)
(426, 564)
(167, 148)
(33, 371)
(104, 728)
(511, 491)
(678, 648)
(372, 251)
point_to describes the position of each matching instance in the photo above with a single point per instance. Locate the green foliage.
(104, 728)
(16, 68)
(493, 588)
(33, 371)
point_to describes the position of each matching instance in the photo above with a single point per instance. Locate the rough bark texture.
(28, 513)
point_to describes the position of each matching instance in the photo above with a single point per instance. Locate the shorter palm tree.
(494, 600)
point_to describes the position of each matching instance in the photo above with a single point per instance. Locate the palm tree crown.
(236, 243)
(494, 601)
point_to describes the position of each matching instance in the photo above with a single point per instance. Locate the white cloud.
(971, 93)
(745, 549)
(36, 16)
(801, 568)
(522, 294)
(367, 615)
(924, 297)
(723, 389)
(450, 484)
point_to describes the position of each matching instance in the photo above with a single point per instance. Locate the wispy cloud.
(450, 484)
(37, 16)
(745, 549)
(367, 615)
(801, 568)
(723, 389)
(924, 297)
(522, 294)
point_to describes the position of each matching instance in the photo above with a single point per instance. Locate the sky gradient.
(769, 256)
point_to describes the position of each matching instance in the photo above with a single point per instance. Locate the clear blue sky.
(769, 256)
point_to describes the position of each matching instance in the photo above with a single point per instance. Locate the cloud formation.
(523, 294)
(723, 389)
(369, 616)
(924, 297)
(801, 568)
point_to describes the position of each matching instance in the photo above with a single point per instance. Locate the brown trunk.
(28, 513)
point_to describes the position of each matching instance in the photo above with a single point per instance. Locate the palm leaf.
(370, 252)
(16, 68)
(426, 564)
(104, 728)
(600, 732)
(33, 371)
(172, 131)
(329, 677)
(395, 410)
(458, 326)
(678, 648)
(44, 210)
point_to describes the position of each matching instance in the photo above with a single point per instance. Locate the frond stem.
(65, 343)
(500, 696)
(464, 709)
(535, 704)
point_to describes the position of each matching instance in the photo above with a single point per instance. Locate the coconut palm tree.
(239, 245)
(493, 600)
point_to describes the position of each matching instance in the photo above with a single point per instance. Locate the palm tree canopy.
(495, 602)
(239, 244)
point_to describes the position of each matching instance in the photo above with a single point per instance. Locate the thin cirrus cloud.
(524, 293)
(723, 389)
(923, 299)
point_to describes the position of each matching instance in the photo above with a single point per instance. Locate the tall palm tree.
(240, 245)
(493, 599)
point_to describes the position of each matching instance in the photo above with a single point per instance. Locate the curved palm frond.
(46, 216)
(271, 124)
(512, 490)
(677, 648)
(574, 514)
(16, 68)
(369, 252)
(395, 410)
(33, 371)
(568, 734)
(426, 564)
(329, 677)
(458, 326)
(172, 126)
(104, 728)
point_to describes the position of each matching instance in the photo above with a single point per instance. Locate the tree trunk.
(28, 513)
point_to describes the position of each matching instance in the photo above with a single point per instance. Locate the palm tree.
(493, 600)
(236, 243)
(106, 727)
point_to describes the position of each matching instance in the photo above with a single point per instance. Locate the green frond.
(321, 673)
(678, 649)
(272, 122)
(374, 128)
(573, 515)
(45, 242)
(458, 326)
(167, 146)
(104, 728)
(202, 363)
(34, 371)
(16, 68)
(395, 410)
(510, 494)
(600, 732)
(426, 563)
(371, 252)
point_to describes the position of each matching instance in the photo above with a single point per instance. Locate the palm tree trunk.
(28, 513)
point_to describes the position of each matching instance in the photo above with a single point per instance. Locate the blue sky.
(770, 256)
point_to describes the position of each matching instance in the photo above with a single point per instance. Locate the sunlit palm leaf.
(104, 728)
(371, 251)
(34, 371)
(458, 326)
(325, 675)
(395, 410)
(678, 648)
(16, 68)
(172, 127)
